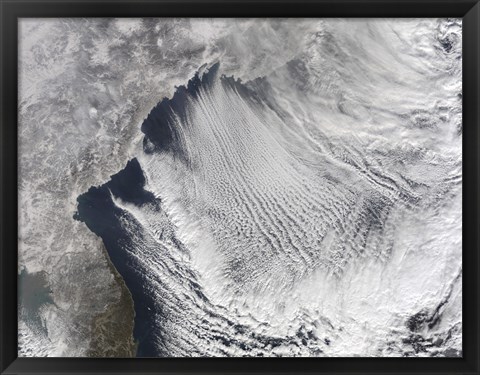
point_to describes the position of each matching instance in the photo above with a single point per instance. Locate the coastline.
(113, 329)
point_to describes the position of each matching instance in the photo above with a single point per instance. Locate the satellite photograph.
(240, 187)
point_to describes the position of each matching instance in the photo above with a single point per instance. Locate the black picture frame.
(11, 10)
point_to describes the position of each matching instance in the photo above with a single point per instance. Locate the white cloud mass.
(304, 189)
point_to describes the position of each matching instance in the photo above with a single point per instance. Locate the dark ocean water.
(98, 211)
